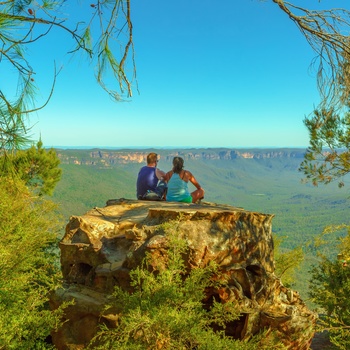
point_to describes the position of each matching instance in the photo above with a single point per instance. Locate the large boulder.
(101, 247)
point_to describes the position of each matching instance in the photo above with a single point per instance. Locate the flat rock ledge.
(100, 248)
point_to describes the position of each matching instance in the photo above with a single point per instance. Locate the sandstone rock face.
(105, 158)
(101, 247)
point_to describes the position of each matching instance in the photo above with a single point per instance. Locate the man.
(150, 184)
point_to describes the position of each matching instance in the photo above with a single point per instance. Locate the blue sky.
(210, 74)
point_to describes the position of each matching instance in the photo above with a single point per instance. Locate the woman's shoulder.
(187, 173)
(168, 175)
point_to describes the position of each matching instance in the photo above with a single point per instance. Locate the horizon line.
(175, 147)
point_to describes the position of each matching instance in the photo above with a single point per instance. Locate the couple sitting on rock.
(155, 184)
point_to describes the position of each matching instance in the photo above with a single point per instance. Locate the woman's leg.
(197, 194)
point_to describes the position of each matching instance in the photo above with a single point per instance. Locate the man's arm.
(160, 174)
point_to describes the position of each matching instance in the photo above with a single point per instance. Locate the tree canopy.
(37, 167)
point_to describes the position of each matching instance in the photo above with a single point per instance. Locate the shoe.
(198, 201)
(151, 196)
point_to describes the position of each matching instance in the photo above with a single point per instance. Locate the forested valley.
(268, 185)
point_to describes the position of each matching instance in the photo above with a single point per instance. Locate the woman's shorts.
(187, 200)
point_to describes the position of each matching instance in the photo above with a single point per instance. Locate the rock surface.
(101, 247)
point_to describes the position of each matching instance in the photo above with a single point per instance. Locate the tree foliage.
(328, 157)
(330, 289)
(28, 268)
(287, 262)
(26, 22)
(165, 309)
(36, 166)
(326, 31)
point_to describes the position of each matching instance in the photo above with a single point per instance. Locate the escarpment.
(107, 158)
(100, 249)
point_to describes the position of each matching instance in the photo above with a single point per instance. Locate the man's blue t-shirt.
(146, 180)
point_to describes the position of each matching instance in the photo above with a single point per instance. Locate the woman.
(177, 180)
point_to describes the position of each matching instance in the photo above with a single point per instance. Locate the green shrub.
(287, 261)
(35, 166)
(165, 310)
(28, 268)
(330, 289)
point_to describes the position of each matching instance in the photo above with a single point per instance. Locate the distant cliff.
(102, 157)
